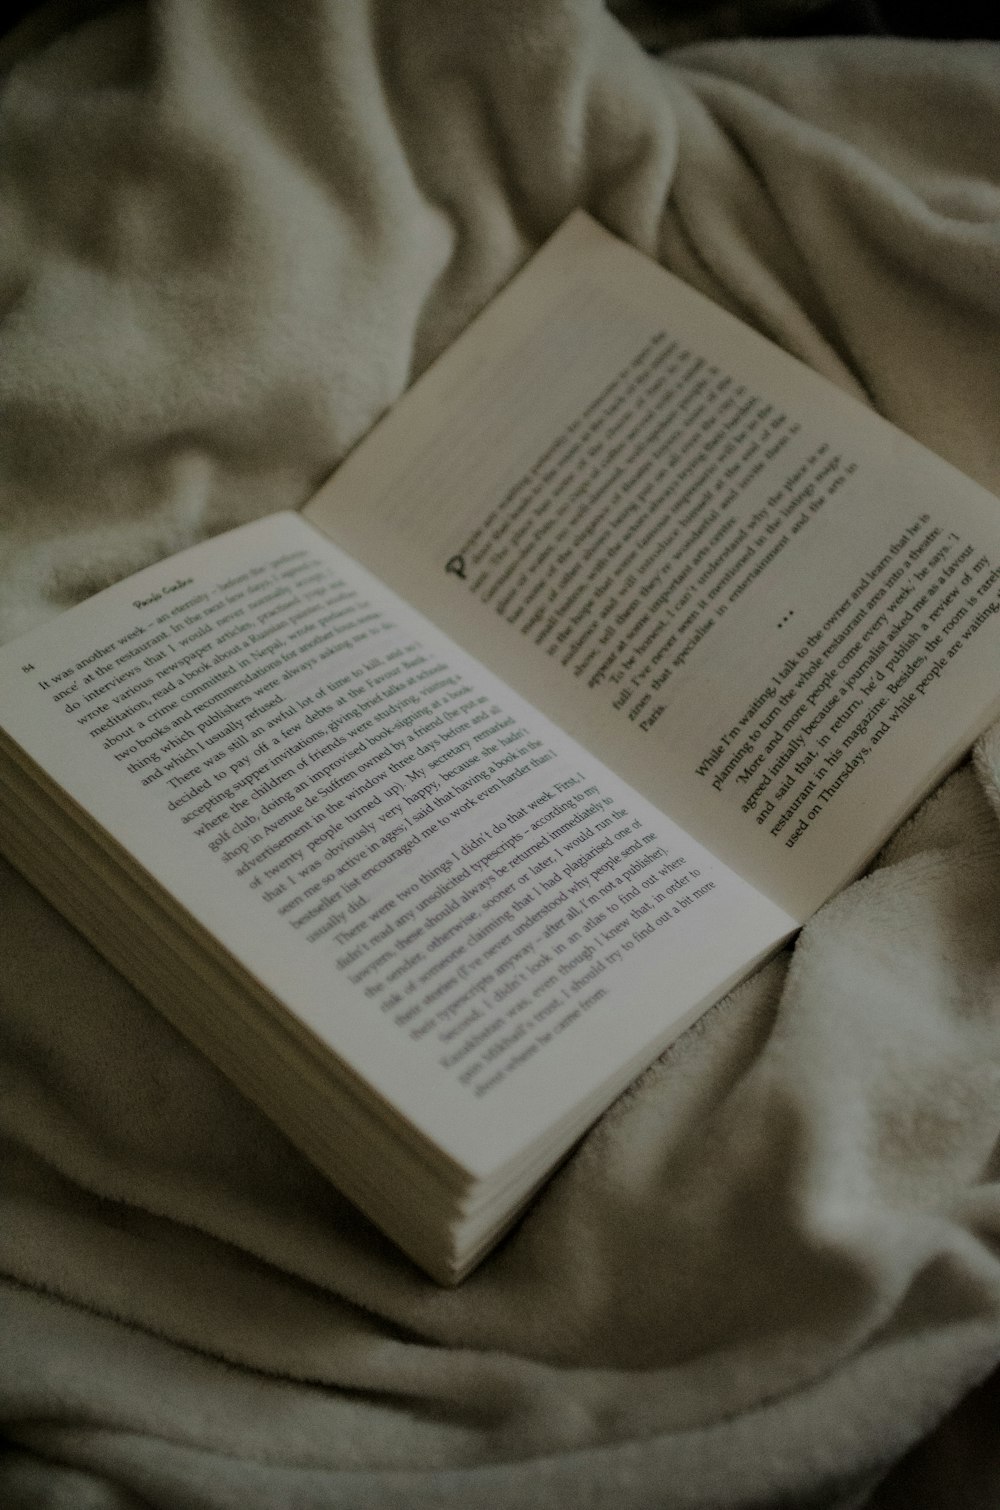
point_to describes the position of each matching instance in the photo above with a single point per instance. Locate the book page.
(767, 609)
(475, 915)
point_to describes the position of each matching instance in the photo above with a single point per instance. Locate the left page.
(479, 919)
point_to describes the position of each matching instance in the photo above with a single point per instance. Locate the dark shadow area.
(958, 19)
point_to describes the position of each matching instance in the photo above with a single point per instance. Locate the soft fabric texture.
(231, 235)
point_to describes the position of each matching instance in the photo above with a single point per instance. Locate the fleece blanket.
(230, 234)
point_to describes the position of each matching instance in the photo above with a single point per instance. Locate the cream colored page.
(770, 611)
(471, 911)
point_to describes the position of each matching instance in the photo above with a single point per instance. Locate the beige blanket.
(230, 234)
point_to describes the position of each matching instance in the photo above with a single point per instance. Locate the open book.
(432, 816)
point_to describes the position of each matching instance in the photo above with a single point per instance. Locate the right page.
(766, 608)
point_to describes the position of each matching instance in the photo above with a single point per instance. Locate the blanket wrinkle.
(906, 214)
(896, 206)
(726, 207)
(545, 1480)
(231, 235)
